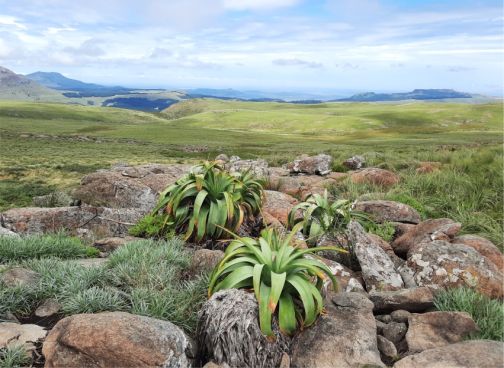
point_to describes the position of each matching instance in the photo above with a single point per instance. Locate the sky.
(283, 45)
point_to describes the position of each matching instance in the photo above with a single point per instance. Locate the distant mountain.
(417, 94)
(254, 95)
(17, 87)
(75, 87)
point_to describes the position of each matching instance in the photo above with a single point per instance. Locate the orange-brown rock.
(484, 246)
(278, 205)
(428, 167)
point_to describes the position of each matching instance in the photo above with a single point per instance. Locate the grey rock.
(400, 315)
(395, 331)
(388, 211)
(355, 162)
(385, 318)
(388, 351)
(48, 308)
(18, 276)
(348, 333)
(205, 260)
(258, 167)
(312, 165)
(7, 232)
(15, 334)
(378, 270)
(413, 300)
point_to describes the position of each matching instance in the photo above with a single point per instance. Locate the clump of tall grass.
(487, 313)
(14, 356)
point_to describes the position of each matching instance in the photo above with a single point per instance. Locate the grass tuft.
(14, 356)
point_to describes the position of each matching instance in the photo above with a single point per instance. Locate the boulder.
(48, 308)
(375, 176)
(440, 264)
(434, 329)
(18, 276)
(401, 228)
(312, 165)
(205, 260)
(400, 315)
(128, 186)
(228, 332)
(7, 232)
(467, 354)
(99, 221)
(412, 300)
(116, 339)
(258, 167)
(346, 278)
(222, 157)
(278, 205)
(484, 246)
(14, 334)
(426, 231)
(345, 336)
(354, 162)
(395, 331)
(378, 270)
(55, 199)
(387, 211)
(300, 186)
(388, 351)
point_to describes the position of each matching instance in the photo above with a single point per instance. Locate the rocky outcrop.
(375, 176)
(467, 354)
(229, 333)
(436, 329)
(278, 205)
(413, 300)
(388, 211)
(484, 247)
(345, 336)
(312, 165)
(100, 221)
(378, 270)
(440, 264)
(426, 231)
(128, 186)
(116, 339)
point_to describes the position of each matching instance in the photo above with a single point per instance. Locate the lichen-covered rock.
(258, 167)
(343, 337)
(312, 165)
(467, 354)
(128, 186)
(416, 299)
(484, 246)
(116, 339)
(375, 176)
(395, 331)
(229, 333)
(354, 162)
(378, 270)
(383, 211)
(102, 222)
(346, 278)
(278, 205)
(435, 329)
(426, 231)
(7, 232)
(440, 264)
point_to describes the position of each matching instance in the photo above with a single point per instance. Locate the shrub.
(281, 275)
(385, 231)
(320, 216)
(206, 201)
(486, 312)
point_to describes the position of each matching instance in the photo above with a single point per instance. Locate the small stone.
(205, 260)
(19, 276)
(385, 318)
(354, 162)
(222, 157)
(387, 349)
(48, 308)
(285, 361)
(400, 315)
(395, 331)
(379, 326)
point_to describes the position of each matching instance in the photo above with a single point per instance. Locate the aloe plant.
(208, 200)
(320, 216)
(284, 278)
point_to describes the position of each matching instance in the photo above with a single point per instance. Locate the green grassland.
(46, 146)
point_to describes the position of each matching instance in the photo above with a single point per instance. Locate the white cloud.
(258, 4)
(298, 62)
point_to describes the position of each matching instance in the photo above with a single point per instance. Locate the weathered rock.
(484, 246)
(14, 334)
(375, 176)
(90, 262)
(401, 228)
(7, 232)
(388, 351)
(384, 318)
(128, 186)
(319, 165)
(228, 332)
(428, 167)
(440, 264)
(285, 361)
(205, 260)
(112, 243)
(300, 186)
(426, 231)
(395, 331)
(412, 300)
(346, 278)
(380, 325)
(355, 162)
(116, 339)
(343, 337)
(55, 199)
(383, 211)
(400, 315)
(467, 354)
(258, 167)
(18, 276)
(435, 329)
(222, 157)
(278, 205)
(48, 308)
(377, 268)
(102, 222)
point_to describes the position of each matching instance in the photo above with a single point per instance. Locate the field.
(51, 146)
